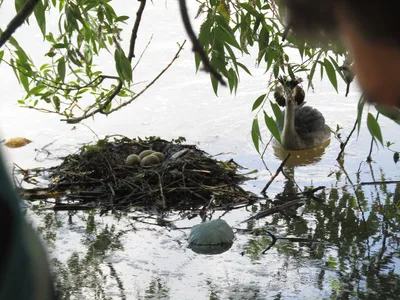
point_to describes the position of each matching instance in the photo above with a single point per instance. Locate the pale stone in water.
(211, 233)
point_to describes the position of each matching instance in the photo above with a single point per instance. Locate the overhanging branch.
(17, 21)
(197, 48)
(118, 88)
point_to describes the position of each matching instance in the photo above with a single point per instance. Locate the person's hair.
(377, 21)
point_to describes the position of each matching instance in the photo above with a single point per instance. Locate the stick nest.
(98, 177)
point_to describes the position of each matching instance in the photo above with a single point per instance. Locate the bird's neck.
(289, 136)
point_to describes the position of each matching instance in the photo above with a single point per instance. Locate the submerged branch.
(276, 173)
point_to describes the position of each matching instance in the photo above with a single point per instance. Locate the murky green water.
(349, 246)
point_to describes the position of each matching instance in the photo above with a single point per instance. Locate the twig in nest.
(197, 48)
(276, 173)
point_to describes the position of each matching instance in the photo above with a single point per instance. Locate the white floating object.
(211, 233)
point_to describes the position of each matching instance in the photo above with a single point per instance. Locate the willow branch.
(197, 48)
(17, 21)
(118, 88)
(135, 29)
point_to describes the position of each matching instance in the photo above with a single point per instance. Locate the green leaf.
(255, 134)
(276, 69)
(272, 127)
(214, 83)
(126, 66)
(197, 61)
(244, 68)
(224, 35)
(118, 63)
(40, 15)
(56, 102)
(396, 157)
(35, 91)
(61, 68)
(330, 70)
(390, 112)
(360, 107)
(24, 80)
(277, 112)
(374, 128)
(310, 78)
(258, 102)
(121, 19)
(337, 68)
(1, 55)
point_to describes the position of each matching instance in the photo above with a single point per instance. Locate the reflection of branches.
(17, 21)
(197, 48)
(358, 203)
(274, 239)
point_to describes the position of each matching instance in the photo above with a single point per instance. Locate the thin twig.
(262, 155)
(135, 29)
(150, 84)
(197, 48)
(17, 21)
(379, 182)
(343, 145)
(276, 173)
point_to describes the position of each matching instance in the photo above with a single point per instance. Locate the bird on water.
(303, 127)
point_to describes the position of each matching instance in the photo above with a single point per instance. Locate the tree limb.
(135, 29)
(17, 21)
(197, 48)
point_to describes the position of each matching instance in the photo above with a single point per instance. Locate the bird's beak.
(289, 96)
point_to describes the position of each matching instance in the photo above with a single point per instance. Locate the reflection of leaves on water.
(88, 274)
(360, 236)
(48, 230)
(157, 289)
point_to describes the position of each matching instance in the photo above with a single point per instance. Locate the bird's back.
(310, 126)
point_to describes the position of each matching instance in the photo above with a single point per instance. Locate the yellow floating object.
(16, 142)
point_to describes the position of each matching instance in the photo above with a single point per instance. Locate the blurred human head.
(369, 30)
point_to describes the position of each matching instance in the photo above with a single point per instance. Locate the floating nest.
(98, 177)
